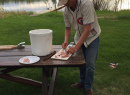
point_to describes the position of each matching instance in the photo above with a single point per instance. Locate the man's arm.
(83, 37)
(67, 36)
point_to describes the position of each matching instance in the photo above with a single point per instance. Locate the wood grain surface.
(10, 58)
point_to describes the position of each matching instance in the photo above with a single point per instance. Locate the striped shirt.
(83, 14)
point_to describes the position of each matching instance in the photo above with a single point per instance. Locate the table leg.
(52, 83)
(44, 82)
(45, 89)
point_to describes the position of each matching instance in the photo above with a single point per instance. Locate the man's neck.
(74, 5)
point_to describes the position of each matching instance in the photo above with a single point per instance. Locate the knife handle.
(49, 56)
(8, 47)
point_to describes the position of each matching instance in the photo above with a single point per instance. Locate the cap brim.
(62, 2)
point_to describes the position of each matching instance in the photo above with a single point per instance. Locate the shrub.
(124, 14)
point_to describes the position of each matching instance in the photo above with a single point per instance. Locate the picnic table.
(9, 61)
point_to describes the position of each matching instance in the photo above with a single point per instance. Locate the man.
(80, 15)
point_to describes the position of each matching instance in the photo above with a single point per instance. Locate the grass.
(114, 47)
(123, 14)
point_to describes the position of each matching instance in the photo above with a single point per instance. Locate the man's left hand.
(72, 50)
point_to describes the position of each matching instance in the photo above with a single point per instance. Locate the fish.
(26, 60)
(61, 54)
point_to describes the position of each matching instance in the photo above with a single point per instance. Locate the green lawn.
(114, 47)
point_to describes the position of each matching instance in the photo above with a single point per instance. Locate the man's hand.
(72, 50)
(64, 45)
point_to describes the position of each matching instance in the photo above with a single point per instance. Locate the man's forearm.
(67, 34)
(84, 36)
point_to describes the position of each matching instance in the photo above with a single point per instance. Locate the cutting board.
(8, 47)
(59, 57)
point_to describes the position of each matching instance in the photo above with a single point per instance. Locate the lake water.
(40, 5)
(33, 5)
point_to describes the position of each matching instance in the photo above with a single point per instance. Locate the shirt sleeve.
(87, 12)
(66, 20)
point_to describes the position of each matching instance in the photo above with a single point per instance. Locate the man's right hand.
(64, 45)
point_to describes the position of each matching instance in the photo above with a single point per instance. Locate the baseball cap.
(62, 2)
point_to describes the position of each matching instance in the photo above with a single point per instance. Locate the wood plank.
(19, 53)
(10, 69)
(28, 48)
(53, 46)
(23, 52)
(14, 62)
(8, 54)
(21, 80)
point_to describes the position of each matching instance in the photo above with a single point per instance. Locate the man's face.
(69, 3)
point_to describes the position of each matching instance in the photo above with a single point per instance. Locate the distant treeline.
(107, 4)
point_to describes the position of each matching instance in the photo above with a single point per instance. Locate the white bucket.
(41, 41)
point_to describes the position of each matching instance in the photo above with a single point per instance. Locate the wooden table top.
(10, 58)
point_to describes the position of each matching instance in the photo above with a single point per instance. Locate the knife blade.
(70, 44)
(64, 50)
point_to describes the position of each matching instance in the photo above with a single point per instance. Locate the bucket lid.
(40, 31)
